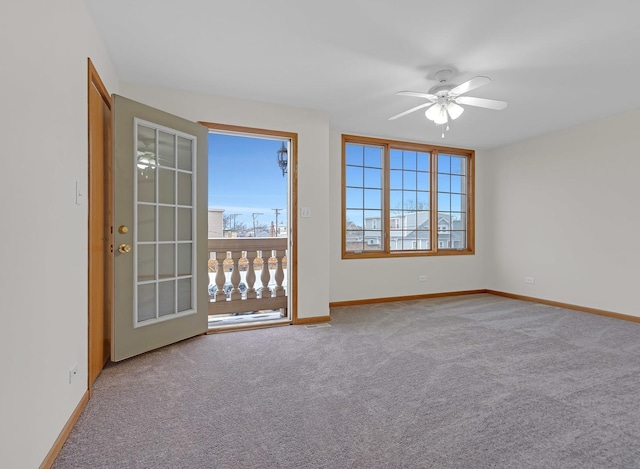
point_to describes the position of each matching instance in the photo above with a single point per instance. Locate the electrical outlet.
(529, 280)
(422, 278)
(73, 372)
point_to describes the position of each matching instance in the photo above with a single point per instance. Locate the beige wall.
(312, 128)
(563, 208)
(355, 279)
(43, 275)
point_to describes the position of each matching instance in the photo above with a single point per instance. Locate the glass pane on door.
(165, 212)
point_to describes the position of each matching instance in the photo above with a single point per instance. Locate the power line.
(277, 210)
(232, 216)
(255, 218)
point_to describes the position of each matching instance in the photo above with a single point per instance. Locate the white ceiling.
(558, 63)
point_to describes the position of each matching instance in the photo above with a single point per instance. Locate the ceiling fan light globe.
(433, 112)
(454, 110)
(442, 117)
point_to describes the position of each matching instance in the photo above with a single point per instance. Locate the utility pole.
(277, 210)
(255, 218)
(233, 216)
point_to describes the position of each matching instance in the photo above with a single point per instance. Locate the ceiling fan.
(444, 100)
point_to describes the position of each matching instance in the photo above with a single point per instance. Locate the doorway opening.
(250, 226)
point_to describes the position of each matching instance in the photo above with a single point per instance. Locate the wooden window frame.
(434, 151)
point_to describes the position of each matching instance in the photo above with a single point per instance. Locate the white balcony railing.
(233, 263)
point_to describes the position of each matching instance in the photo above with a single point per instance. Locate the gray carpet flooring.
(475, 381)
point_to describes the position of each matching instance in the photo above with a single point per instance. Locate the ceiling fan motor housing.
(441, 90)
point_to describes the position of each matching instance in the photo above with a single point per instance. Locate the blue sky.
(244, 178)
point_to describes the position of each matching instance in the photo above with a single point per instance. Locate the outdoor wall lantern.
(283, 159)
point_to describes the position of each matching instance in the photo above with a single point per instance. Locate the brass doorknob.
(124, 248)
(123, 229)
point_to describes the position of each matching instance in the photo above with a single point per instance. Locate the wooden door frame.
(102, 172)
(292, 167)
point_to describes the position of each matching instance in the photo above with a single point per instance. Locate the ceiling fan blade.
(413, 109)
(417, 94)
(470, 85)
(482, 102)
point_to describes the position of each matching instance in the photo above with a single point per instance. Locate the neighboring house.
(216, 224)
(410, 230)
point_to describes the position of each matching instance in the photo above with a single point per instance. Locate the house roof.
(557, 63)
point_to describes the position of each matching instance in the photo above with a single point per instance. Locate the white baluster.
(251, 275)
(220, 278)
(279, 277)
(265, 275)
(236, 294)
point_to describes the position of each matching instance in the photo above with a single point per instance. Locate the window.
(397, 194)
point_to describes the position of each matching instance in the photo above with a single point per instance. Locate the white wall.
(43, 275)
(313, 171)
(356, 279)
(563, 208)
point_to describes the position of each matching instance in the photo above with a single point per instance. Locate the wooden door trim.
(292, 167)
(95, 80)
(95, 83)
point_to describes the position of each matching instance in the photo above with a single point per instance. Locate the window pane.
(166, 261)
(409, 241)
(423, 161)
(166, 186)
(166, 298)
(184, 189)
(146, 262)
(184, 224)
(444, 202)
(373, 178)
(146, 302)
(166, 223)
(395, 179)
(458, 202)
(423, 200)
(458, 221)
(409, 160)
(146, 223)
(354, 176)
(146, 183)
(410, 202)
(372, 199)
(444, 183)
(423, 181)
(444, 164)
(184, 294)
(458, 239)
(458, 165)
(185, 154)
(355, 198)
(458, 184)
(422, 218)
(373, 219)
(354, 241)
(373, 157)
(184, 259)
(354, 154)
(409, 180)
(395, 159)
(166, 149)
(409, 220)
(373, 244)
(395, 201)
(355, 217)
